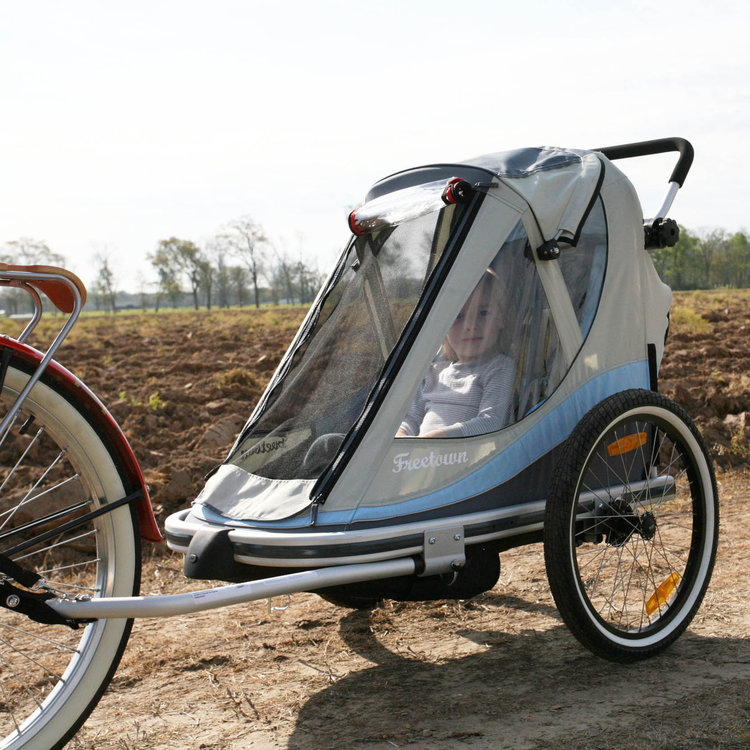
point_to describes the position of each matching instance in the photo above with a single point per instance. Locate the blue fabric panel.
(540, 439)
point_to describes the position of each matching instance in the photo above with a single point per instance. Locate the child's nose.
(474, 320)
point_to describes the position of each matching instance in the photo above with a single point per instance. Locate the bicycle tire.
(53, 459)
(631, 526)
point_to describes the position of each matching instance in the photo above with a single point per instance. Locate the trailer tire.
(631, 526)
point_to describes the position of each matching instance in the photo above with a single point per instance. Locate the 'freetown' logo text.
(404, 461)
(267, 446)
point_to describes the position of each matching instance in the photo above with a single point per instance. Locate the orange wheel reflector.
(663, 591)
(627, 444)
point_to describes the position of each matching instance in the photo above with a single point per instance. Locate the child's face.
(474, 332)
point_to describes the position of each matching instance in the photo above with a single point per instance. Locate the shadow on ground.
(533, 689)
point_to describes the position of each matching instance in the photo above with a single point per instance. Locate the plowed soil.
(497, 671)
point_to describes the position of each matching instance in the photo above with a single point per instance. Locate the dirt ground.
(497, 671)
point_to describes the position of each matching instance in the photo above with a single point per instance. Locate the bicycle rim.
(54, 467)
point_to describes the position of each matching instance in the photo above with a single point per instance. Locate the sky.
(127, 123)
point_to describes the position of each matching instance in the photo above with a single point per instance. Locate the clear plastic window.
(500, 358)
(583, 267)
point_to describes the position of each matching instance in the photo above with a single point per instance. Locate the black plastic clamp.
(661, 233)
(548, 250)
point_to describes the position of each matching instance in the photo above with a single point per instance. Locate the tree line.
(705, 260)
(238, 266)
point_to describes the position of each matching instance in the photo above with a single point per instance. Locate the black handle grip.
(659, 146)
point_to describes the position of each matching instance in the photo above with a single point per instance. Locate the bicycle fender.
(105, 422)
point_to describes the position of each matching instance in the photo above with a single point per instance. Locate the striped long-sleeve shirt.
(463, 399)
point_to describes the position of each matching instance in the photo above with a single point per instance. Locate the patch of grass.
(686, 319)
(153, 401)
(123, 396)
(236, 376)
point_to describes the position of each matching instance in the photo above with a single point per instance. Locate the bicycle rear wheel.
(54, 468)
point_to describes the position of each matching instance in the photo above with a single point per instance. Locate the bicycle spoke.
(28, 448)
(36, 636)
(39, 496)
(30, 659)
(50, 547)
(7, 703)
(72, 566)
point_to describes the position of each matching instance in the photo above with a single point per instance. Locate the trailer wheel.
(631, 526)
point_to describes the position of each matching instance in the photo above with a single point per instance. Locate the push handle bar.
(659, 146)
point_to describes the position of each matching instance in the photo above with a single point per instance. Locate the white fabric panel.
(618, 335)
(563, 313)
(558, 297)
(235, 493)
(560, 197)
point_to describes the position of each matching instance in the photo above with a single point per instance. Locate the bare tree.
(246, 240)
(218, 277)
(167, 272)
(223, 283)
(238, 279)
(104, 286)
(186, 256)
(175, 257)
(309, 281)
(32, 252)
(207, 275)
(284, 272)
(142, 285)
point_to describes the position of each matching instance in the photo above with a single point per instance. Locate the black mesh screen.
(327, 377)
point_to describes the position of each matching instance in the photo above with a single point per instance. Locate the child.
(468, 389)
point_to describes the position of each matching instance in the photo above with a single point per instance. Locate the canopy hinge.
(548, 250)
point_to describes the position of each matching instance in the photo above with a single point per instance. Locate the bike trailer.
(320, 476)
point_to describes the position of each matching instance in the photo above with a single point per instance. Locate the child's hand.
(432, 434)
